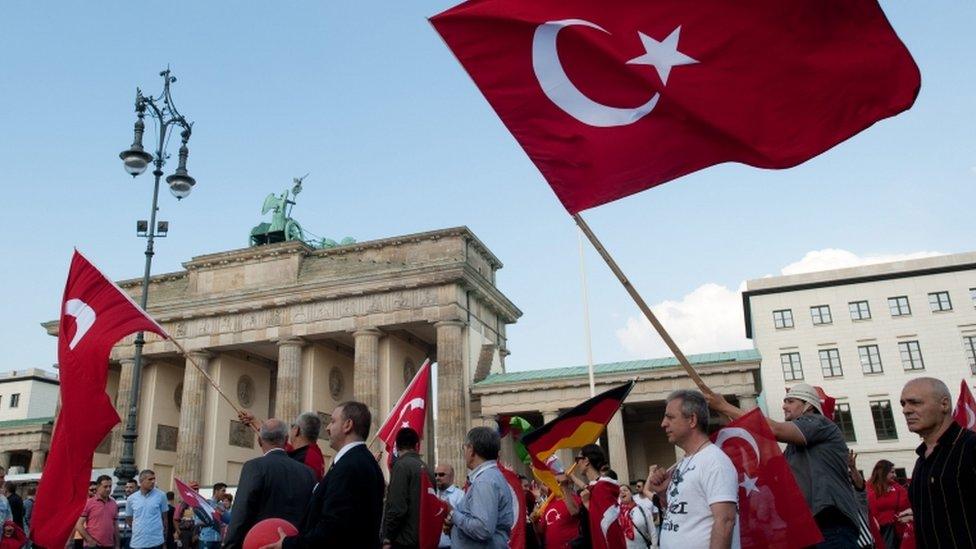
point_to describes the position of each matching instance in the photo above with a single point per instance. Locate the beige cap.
(806, 393)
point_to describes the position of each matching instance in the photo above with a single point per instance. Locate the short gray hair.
(937, 386)
(274, 432)
(484, 441)
(693, 403)
(309, 424)
(145, 473)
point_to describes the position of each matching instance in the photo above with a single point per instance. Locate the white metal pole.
(586, 316)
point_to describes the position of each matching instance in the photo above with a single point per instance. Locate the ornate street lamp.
(135, 161)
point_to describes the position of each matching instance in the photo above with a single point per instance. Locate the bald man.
(271, 486)
(943, 488)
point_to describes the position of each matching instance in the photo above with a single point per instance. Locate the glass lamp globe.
(180, 185)
(135, 161)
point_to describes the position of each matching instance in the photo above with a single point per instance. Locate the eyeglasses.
(440, 474)
(577, 458)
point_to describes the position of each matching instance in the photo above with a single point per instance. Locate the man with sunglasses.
(446, 491)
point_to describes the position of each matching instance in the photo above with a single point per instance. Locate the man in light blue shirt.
(146, 513)
(484, 516)
(446, 491)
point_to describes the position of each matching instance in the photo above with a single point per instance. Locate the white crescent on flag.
(729, 433)
(84, 319)
(413, 404)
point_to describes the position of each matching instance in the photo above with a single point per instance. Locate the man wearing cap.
(817, 454)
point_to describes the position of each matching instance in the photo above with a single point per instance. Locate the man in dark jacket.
(401, 519)
(347, 506)
(271, 486)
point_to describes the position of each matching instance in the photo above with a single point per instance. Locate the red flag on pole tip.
(965, 412)
(95, 314)
(612, 98)
(410, 411)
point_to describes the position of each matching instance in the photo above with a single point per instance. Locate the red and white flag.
(965, 412)
(95, 314)
(433, 512)
(517, 538)
(772, 511)
(827, 402)
(410, 411)
(201, 507)
(610, 98)
(604, 512)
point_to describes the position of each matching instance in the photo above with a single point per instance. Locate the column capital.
(127, 360)
(202, 354)
(293, 341)
(367, 331)
(451, 322)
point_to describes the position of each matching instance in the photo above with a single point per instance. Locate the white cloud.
(709, 319)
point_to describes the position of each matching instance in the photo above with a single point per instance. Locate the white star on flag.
(749, 483)
(662, 55)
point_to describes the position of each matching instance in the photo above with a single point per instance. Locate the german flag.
(572, 429)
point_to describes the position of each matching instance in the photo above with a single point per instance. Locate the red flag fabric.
(965, 413)
(433, 511)
(605, 529)
(611, 98)
(827, 402)
(410, 411)
(517, 539)
(95, 314)
(199, 503)
(772, 511)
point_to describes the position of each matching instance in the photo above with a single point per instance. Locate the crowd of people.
(692, 504)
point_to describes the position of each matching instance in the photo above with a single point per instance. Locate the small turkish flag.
(611, 98)
(827, 402)
(201, 507)
(410, 411)
(772, 511)
(965, 412)
(95, 314)
(433, 511)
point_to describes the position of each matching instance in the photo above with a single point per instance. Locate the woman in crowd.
(636, 521)
(887, 498)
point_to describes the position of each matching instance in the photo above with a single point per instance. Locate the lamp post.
(135, 160)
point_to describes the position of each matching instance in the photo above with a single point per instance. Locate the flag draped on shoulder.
(605, 529)
(611, 98)
(95, 314)
(410, 411)
(965, 412)
(772, 511)
(572, 429)
(517, 538)
(433, 511)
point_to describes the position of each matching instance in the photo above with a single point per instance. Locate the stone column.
(366, 374)
(747, 402)
(122, 402)
(38, 457)
(288, 395)
(452, 426)
(566, 454)
(617, 447)
(193, 412)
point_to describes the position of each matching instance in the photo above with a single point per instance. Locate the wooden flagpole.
(641, 304)
(210, 379)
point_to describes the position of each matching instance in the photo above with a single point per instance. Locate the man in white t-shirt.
(701, 492)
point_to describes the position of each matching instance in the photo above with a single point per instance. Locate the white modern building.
(28, 402)
(861, 333)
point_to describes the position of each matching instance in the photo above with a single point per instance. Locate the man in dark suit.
(347, 506)
(271, 486)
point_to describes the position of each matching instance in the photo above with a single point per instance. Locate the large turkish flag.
(611, 98)
(410, 411)
(95, 314)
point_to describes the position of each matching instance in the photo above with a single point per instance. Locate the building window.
(884, 422)
(820, 314)
(15, 400)
(969, 342)
(859, 310)
(899, 306)
(911, 355)
(830, 363)
(792, 370)
(939, 301)
(870, 359)
(783, 318)
(972, 295)
(843, 419)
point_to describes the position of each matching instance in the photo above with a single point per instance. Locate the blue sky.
(397, 139)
